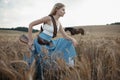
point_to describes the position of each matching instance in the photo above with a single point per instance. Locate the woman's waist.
(49, 33)
(45, 36)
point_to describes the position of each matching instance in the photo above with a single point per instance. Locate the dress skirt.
(60, 47)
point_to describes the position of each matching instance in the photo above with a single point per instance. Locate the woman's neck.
(56, 17)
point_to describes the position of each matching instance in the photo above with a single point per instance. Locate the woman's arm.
(75, 43)
(32, 24)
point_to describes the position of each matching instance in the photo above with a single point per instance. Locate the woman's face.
(61, 11)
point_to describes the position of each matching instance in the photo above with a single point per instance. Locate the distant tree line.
(24, 29)
(116, 23)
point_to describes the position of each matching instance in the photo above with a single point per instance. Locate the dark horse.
(74, 31)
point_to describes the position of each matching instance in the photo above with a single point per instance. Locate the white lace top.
(49, 29)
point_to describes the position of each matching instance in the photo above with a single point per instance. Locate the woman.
(61, 45)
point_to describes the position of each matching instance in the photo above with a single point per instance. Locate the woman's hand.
(30, 43)
(75, 43)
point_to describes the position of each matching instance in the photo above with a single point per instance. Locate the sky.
(15, 13)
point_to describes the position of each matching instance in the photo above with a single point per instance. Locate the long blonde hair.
(56, 7)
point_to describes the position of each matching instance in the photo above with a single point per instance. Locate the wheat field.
(98, 56)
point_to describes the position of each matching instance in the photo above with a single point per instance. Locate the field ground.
(98, 55)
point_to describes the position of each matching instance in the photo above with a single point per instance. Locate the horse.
(74, 31)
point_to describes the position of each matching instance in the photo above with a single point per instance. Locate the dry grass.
(98, 57)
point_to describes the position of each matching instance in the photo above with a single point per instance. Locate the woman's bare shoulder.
(46, 18)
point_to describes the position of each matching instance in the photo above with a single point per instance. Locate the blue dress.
(61, 48)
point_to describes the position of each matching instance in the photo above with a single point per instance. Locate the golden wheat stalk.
(7, 73)
(19, 62)
(29, 75)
